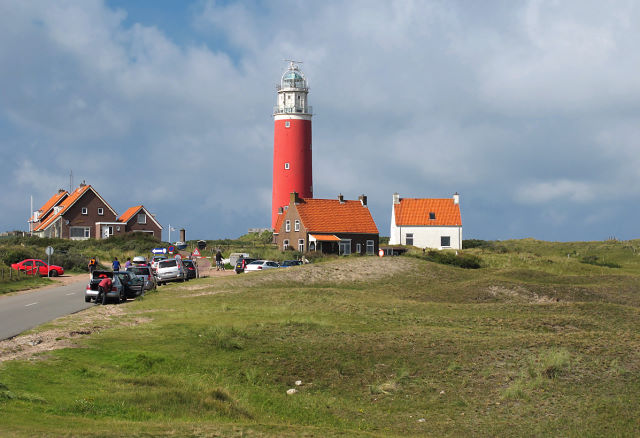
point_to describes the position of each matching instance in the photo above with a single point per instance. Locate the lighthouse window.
(286, 166)
(287, 124)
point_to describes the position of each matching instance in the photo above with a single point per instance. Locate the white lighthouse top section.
(292, 92)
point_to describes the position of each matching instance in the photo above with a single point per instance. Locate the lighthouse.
(291, 140)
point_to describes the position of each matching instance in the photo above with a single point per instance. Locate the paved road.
(27, 310)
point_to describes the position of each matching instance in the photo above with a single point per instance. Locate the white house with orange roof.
(426, 222)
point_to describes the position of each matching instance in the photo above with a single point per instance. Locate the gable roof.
(68, 203)
(412, 211)
(52, 202)
(127, 215)
(331, 216)
(279, 222)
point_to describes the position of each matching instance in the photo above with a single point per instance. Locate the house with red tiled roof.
(426, 223)
(138, 219)
(84, 214)
(326, 225)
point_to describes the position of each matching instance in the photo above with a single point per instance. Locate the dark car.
(190, 268)
(242, 263)
(288, 263)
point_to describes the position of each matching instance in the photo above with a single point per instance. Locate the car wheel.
(87, 299)
(53, 273)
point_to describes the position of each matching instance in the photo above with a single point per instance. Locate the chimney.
(396, 198)
(294, 199)
(82, 184)
(341, 198)
(183, 235)
(363, 200)
(456, 198)
(61, 190)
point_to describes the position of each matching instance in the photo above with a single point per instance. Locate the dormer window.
(85, 210)
(100, 211)
(432, 216)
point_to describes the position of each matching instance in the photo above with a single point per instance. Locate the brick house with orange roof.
(426, 223)
(80, 215)
(326, 225)
(138, 219)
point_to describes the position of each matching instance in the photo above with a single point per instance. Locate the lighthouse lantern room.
(291, 140)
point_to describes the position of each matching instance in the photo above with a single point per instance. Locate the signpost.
(48, 251)
(381, 252)
(159, 250)
(196, 252)
(171, 249)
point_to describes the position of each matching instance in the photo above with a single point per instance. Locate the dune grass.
(520, 347)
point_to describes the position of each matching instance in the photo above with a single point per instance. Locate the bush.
(594, 260)
(15, 255)
(459, 259)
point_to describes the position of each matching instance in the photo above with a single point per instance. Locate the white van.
(170, 270)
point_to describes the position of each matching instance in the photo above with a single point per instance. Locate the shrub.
(15, 255)
(459, 259)
(594, 260)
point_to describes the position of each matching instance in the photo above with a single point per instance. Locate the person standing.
(116, 264)
(218, 260)
(128, 263)
(93, 264)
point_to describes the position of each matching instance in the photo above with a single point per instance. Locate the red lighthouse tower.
(291, 140)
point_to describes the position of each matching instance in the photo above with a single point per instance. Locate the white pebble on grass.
(298, 382)
(291, 391)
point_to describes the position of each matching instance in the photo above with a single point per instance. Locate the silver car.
(146, 274)
(170, 270)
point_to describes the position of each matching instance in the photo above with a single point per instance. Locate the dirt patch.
(69, 329)
(519, 293)
(338, 271)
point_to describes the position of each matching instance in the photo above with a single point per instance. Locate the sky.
(530, 109)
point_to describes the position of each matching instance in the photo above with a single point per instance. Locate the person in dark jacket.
(219, 261)
(115, 264)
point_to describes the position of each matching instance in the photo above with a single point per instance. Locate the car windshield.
(257, 262)
(187, 263)
(167, 263)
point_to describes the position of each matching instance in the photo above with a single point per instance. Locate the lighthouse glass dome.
(293, 78)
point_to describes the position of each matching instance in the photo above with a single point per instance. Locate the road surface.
(27, 310)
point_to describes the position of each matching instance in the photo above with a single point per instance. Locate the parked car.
(170, 270)
(124, 285)
(140, 260)
(241, 264)
(155, 260)
(259, 265)
(146, 274)
(191, 269)
(38, 267)
(288, 263)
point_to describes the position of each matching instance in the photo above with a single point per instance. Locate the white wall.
(424, 236)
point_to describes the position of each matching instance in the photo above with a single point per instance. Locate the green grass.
(534, 343)
(13, 281)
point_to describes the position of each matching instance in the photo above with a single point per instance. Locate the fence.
(9, 274)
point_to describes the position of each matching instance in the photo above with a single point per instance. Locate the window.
(445, 241)
(285, 244)
(344, 247)
(287, 226)
(312, 246)
(100, 211)
(286, 166)
(370, 247)
(358, 248)
(85, 210)
(79, 232)
(296, 225)
(409, 239)
(301, 245)
(142, 218)
(287, 124)
(110, 230)
(432, 216)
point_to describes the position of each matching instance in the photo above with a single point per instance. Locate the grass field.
(537, 342)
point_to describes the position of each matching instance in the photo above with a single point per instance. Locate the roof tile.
(413, 211)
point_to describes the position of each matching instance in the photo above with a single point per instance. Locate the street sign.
(171, 249)
(49, 250)
(159, 250)
(196, 252)
(381, 252)
(178, 256)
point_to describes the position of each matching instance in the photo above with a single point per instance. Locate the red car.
(38, 267)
